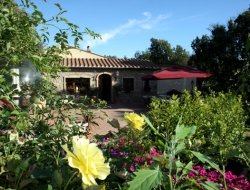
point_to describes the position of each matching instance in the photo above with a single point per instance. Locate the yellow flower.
(134, 120)
(88, 159)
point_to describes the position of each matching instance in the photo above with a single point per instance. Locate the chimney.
(88, 49)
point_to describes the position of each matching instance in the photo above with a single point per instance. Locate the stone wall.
(117, 78)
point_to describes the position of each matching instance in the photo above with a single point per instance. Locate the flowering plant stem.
(224, 179)
(68, 182)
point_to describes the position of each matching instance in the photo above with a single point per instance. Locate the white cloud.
(146, 23)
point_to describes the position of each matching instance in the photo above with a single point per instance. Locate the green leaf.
(8, 45)
(149, 123)
(182, 132)
(188, 168)
(204, 159)
(181, 146)
(25, 182)
(15, 112)
(50, 187)
(58, 6)
(210, 185)
(58, 177)
(24, 164)
(42, 173)
(179, 166)
(146, 179)
(22, 126)
(162, 159)
(115, 123)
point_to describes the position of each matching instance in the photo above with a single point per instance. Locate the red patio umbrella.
(175, 72)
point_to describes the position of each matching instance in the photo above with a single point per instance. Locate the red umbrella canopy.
(175, 72)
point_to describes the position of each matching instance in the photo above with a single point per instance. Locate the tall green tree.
(143, 55)
(225, 53)
(24, 33)
(180, 56)
(161, 52)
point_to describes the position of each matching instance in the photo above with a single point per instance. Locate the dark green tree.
(143, 55)
(111, 56)
(161, 52)
(180, 56)
(225, 53)
(24, 33)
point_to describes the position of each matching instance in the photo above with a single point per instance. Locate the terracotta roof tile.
(108, 63)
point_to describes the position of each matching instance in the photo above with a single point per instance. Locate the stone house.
(110, 79)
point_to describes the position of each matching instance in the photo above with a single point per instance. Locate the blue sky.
(127, 26)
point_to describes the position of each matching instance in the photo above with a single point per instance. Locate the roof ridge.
(117, 63)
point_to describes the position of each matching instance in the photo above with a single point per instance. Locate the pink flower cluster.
(145, 159)
(128, 153)
(233, 181)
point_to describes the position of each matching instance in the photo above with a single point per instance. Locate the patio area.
(115, 111)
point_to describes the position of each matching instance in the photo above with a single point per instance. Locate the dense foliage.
(32, 136)
(146, 158)
(226, 54)
(161, 52)
(44, 145)
(24, 34)
(218, 117)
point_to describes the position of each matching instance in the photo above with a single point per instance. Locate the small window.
(128, 84)
(78, 85)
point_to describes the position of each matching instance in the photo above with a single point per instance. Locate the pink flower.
(132, 168)
(191, 175)
(201, 171)
(153, 151)
(233, 181)
(230, 176)
(105, 139)
(150, 161)
(137, 159)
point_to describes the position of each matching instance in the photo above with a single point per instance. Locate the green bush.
(219, 118)
(31, 156)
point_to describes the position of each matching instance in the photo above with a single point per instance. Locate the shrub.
(219, 118)
(138, 163)
(31, 156)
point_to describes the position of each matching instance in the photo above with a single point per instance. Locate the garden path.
(116, 111)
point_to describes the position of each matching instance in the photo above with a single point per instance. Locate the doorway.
(104, 85)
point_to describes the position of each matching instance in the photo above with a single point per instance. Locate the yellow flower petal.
(88, 159)
(134, 120)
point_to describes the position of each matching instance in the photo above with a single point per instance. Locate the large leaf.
(188, 168)
(146, 179)
(204, 159)
(180, 147)
(182, 132)
(148, 122)
(210, 185)
(58, 177)
(179, 166)
(115, 123)
(162, 159)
